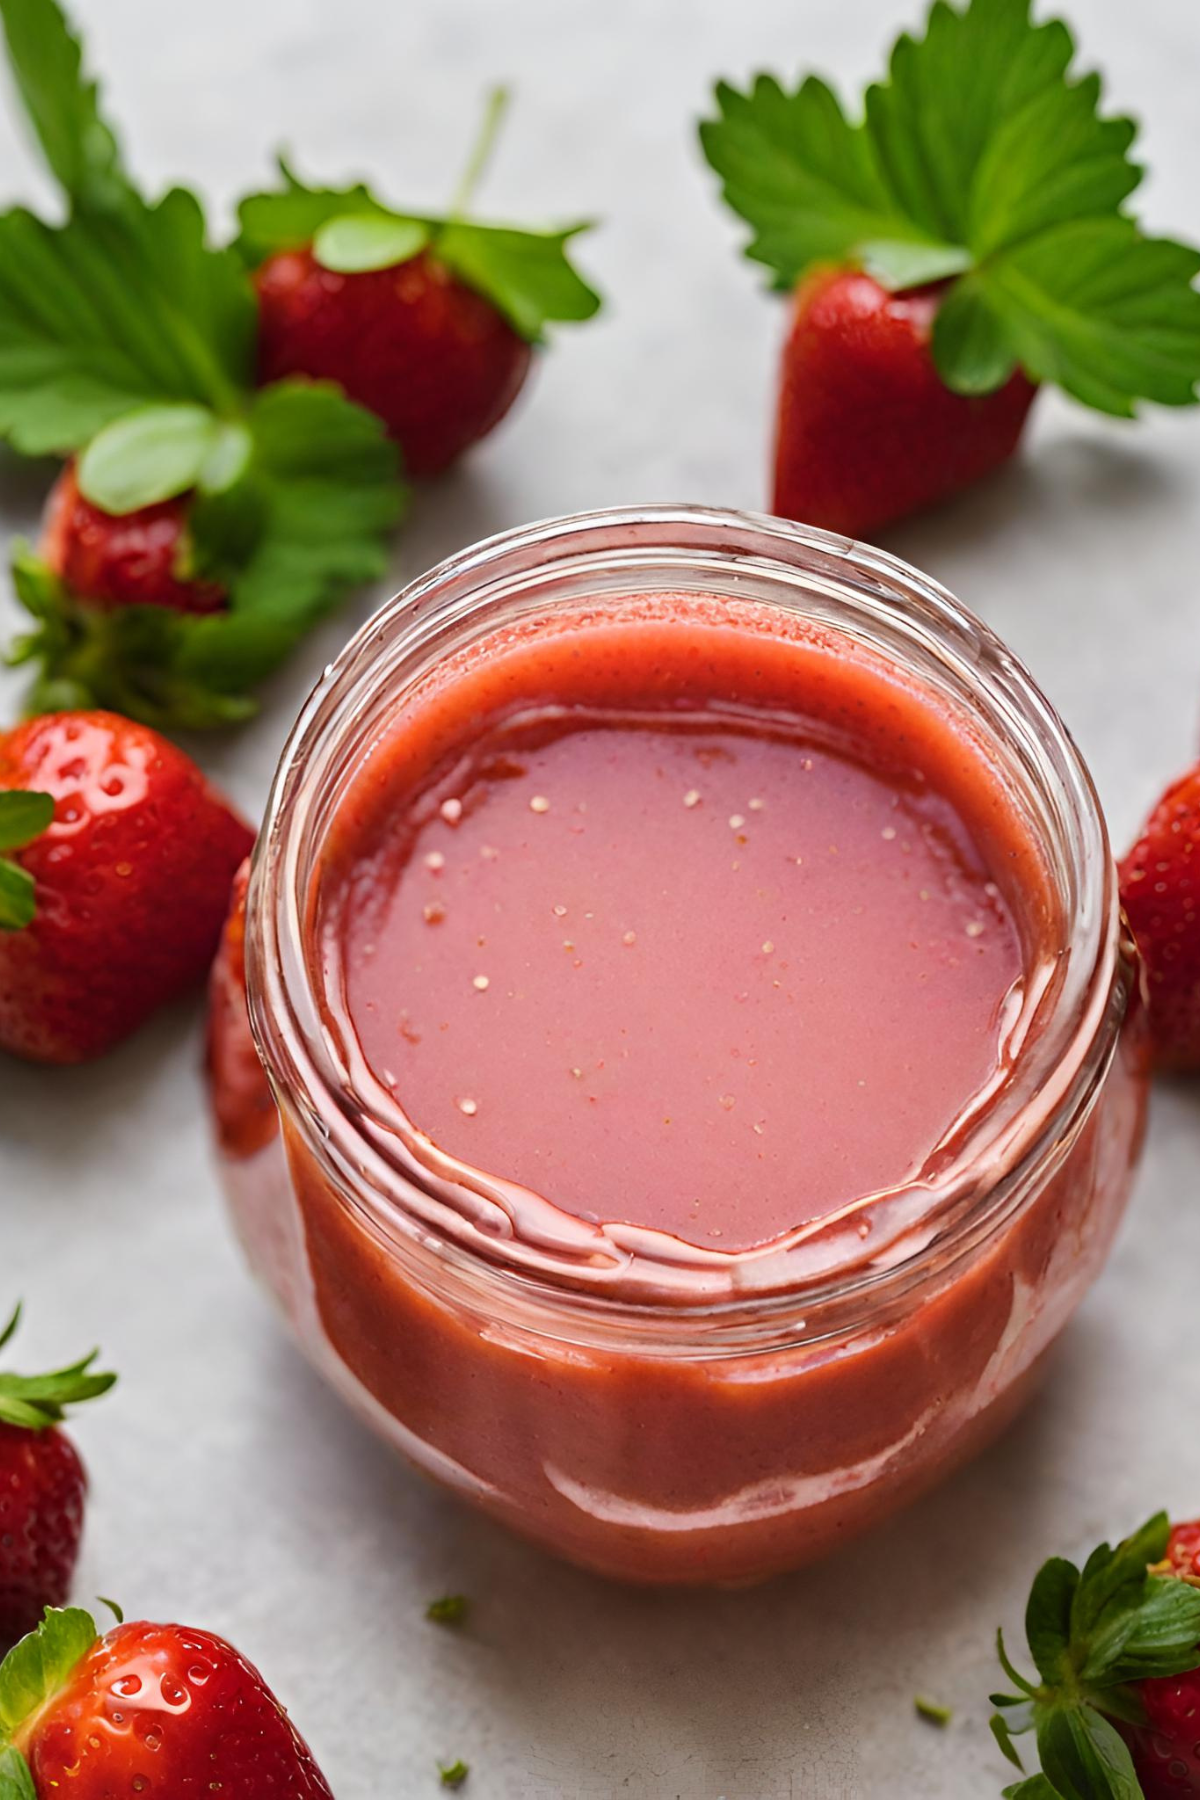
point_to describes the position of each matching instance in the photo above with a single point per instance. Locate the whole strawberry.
(963, 239)
(43, 1487)
(867, 430)
(428, 322)
(127, 883)
(136, 558)
(145, 1709)
(1117, 1648)
(435, 359)
(1160, 891)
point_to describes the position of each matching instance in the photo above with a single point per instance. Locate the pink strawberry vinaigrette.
(685, 953)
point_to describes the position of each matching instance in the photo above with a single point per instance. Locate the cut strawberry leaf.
(1034, 1787)
(527, 275)
(1048, 1618)
(980, 160)
(79, 145)
(40, 1664)
(18, 897)
(38, 1401)
(105, 315)
(16, 1783)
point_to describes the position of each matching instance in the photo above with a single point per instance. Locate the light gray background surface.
(230, 1489)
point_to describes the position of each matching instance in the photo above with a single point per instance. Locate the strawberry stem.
(481, 150)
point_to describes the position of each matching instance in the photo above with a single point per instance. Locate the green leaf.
(1160, 1635)
(46, 63)
(18, 897)
(357, 241)
(1048, 1618)
(37, 1667)
(16, 1783)
(947, 94)
(896, 265)
(1111, 316)
(290, 217)
(527, 275)
(1108, 1573)
(148, 455)
(23, 817)
(107, 314)
(1000, 1729)
(808, 182)
(1034, 1787)
(453, 1774)
(1083, 1756)
(970, 346)
(38, 1401)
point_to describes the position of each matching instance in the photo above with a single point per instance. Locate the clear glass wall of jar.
(702, 1422)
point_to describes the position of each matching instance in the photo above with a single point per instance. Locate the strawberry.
(428, 322)
(126, 559)
(146, 1709)
(1160, 890)
(130, 877)
(963, 239)
(867, 429)
(204, 523)
(435, 359)
(42, 1488)
(1117, 1646)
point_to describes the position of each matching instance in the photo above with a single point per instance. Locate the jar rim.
(736, 1297)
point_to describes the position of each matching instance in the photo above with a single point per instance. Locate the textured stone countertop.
(230, 1489)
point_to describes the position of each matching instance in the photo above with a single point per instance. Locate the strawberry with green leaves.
(43, 1488)
(161, 1710)
(430, 322)
(204, 526)
(965, 240)
(1116, 1647)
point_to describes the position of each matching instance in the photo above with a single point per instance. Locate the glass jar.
(715, 1418)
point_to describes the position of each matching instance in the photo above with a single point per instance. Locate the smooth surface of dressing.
(670, 959)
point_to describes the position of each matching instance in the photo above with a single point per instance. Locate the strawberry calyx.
(33, 1673)
(1095, 1634)
(24, 816)
(525, 274)
(36, 1402)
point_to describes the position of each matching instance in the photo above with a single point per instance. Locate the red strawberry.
(131, 559)
(1160, 889)
(1166, 1750)
(867, 430)
(147, 1709)
(131, 882)
(42, 1489)
(435, 360)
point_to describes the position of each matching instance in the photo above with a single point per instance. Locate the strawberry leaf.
(1048, 1618)
(357, 241)
(1034, 1787)
(23, 817)
(810, 185)
(527, 275)
(1084, 1758)
(18, 897)
(981, 159)
(105, 315)
(146, 456)
(38, 1401)
(16, 1783)
(35, 1669)
(63, 108)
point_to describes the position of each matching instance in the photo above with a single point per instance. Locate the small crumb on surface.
(470, 1107)
(480, 984)
(539, 804)
(931, 1712)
